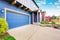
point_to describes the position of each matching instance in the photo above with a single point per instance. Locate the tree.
(54, 17)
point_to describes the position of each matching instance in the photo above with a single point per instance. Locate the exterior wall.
(38, 17)
(58, 17)
(12, 15)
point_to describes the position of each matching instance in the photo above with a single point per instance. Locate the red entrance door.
(35, 17)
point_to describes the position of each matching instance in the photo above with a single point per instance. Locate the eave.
(19, 5)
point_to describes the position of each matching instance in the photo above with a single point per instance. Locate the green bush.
(9, 38)
(55, 26)
(3, 26)
(42, 22)
(54, 17)
(46, 22)
(53, 22)
(50, 22)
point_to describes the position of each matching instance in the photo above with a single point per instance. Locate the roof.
(29, 4)
(35, 3)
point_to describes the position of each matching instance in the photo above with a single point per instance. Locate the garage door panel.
(15, 19)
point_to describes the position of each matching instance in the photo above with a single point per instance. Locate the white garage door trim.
(10, 10)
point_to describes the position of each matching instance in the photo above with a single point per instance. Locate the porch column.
(37, 17)
(40, 17)
(32, 18)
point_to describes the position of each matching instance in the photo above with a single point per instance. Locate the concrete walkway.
(35, 32)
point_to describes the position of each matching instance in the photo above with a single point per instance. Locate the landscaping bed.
(50, 24)
(7, 36)
(45, 25)
(4, 35)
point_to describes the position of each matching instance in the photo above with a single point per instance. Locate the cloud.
(58, 0)
(51, 12)
(38, 4)
(58, 7)
(41, 2)
(57, 3)
(44, 2)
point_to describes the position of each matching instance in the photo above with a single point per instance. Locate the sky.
(52, 7)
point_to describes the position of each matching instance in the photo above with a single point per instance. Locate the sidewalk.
(35, 32)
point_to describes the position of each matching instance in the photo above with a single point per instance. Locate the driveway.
(35, 32)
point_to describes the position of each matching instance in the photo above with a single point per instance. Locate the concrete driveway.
(35, 32)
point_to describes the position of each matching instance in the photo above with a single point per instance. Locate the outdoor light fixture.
(1, 10)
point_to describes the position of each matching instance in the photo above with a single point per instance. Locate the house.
(19, 12)
(48, 18)
(43, 15)
(58, 17)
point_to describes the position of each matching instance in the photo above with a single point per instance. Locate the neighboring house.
(43, 15)
(19, 12)
(58, 17)
(48, 18)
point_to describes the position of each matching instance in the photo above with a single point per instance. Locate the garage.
(16, 19)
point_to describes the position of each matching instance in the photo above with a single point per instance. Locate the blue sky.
(52, 7)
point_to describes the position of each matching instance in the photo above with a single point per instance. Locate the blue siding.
(38, 17)
(1, 13)
(14, 20)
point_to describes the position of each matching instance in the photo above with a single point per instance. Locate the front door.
(35, 17)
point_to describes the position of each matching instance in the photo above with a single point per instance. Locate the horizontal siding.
(15, 19)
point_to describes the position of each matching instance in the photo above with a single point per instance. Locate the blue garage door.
(16, 20)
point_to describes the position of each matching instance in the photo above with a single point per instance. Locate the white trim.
(5, 14)
(10, 10)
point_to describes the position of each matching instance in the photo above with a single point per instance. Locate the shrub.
(55, 26)
(53, 22)
(9, 38)
(54, 17)
(3, 26)
(46, 22)
(42, 22)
